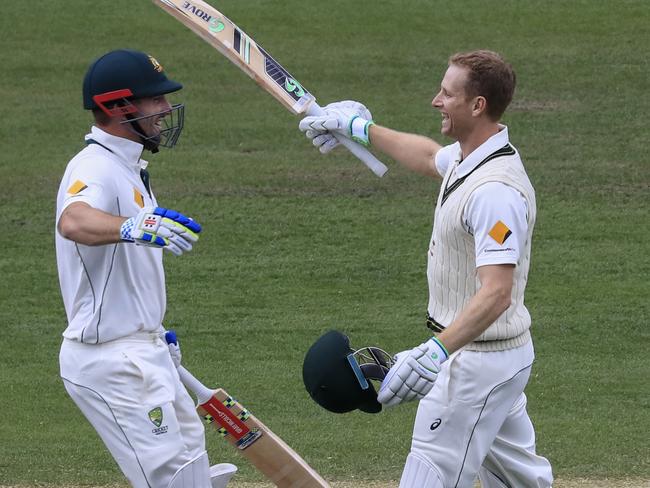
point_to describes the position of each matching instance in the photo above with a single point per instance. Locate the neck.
(477, 136)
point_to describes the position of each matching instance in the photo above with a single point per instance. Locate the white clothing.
(113, 362)
(104, 295)
(490, 202)
(130, 392)
(419, 472)
(480, 215)
(462, 239)
(474, 420)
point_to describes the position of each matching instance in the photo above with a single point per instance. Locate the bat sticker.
(282, 77)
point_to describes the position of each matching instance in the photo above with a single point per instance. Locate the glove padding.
(337, 118)
(161, 227)
(174, 347)
(413, 374)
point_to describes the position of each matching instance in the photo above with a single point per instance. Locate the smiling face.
(150, 121)
(153, 110)
(457, 109)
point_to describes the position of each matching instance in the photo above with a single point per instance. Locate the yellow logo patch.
(500, 232)
(156, 65)
(138, 197)
(76, 187)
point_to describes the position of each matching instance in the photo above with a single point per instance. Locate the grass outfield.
(295, 243)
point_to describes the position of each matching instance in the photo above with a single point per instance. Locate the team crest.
(156, 65)
(156, 416)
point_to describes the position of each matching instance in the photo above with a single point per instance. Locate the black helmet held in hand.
(338, 378)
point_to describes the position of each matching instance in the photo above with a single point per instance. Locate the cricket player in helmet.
(110, 237)
(129, 87)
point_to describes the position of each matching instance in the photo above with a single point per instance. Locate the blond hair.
(490, 76)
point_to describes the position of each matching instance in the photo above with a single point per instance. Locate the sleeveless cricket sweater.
(451, 271)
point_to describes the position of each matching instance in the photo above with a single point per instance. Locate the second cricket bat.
(255, 441)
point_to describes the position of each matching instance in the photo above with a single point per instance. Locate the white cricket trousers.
(129, 390)
(474, 422)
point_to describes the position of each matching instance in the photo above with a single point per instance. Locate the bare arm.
(413, 151)
(84, 224)
(492, 299)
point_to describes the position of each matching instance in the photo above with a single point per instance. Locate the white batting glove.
(174, 347)
(161, 227)
(413, 374)
(348, 118)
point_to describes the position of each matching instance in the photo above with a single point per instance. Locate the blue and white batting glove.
(174, 347)
(348, 118)
(161, 227)
(413, 374)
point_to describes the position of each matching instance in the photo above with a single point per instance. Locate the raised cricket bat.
(222, 34)
(254, 440)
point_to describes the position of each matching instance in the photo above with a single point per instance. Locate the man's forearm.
(483, 309)
(413, 151)
(84, 224)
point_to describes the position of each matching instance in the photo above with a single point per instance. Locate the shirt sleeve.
(444, 158)
(90, 182)
(496, 215)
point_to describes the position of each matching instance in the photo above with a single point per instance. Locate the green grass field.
(296, 243)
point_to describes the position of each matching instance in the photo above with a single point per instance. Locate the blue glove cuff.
(126, 229)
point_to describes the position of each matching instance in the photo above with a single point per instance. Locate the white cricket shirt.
(114, 290)
(484, 215)
(489, 204)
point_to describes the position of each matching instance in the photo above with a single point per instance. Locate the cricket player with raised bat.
(110, 238)
(470, 376)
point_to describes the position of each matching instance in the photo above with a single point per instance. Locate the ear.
(479, 106)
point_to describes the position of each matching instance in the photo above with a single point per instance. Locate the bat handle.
(202, 392)
(355, 148)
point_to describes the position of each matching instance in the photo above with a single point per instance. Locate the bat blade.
(257, 443)
(222, 34)
(254, 440)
